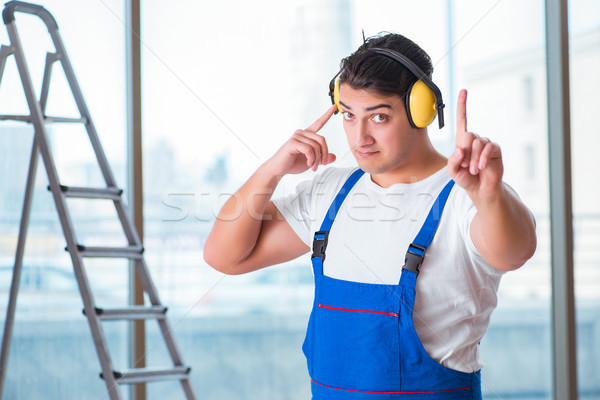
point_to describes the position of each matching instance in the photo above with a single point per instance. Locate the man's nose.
(363, 134)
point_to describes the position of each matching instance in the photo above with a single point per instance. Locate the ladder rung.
(47, 119)
(139, 375)
(22, 118)
(131, 313)
(111, 193)
(133, 252)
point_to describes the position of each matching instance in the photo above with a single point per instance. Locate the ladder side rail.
(144, 273)
(18, 267)
(127, 223)
(166, 330)
(51, 58)
(64, 217)
(188, 389)
(5, 51)
(82, 106)
(169, 339)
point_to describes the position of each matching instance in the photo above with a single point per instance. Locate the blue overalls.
(361, 342)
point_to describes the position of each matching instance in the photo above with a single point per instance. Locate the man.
(407, 212)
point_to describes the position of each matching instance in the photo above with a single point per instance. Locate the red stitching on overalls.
(408, 392)
(355, 310)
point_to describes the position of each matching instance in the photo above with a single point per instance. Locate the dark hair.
(365, 69)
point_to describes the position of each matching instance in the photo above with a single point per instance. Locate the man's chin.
(368, 167)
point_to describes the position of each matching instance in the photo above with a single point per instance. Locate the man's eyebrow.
(382, 105)
(345, 106)
(375, 107)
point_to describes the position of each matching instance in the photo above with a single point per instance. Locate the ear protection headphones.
(423, 99)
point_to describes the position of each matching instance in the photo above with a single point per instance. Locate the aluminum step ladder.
(134, 250)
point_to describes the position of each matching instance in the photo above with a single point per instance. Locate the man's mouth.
(366, 153)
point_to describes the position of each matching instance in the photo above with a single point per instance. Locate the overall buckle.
(414, 258)
(320, 244)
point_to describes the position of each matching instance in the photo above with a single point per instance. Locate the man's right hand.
(306, 149)
(249, 232)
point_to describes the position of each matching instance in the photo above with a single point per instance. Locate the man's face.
(377, 129)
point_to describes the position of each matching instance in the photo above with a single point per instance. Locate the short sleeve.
(295, 208)
(305, 208)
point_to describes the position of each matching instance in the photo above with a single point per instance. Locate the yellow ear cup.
(421, 104)
(336, 94)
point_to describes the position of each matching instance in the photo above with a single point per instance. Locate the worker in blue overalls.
(408, 249)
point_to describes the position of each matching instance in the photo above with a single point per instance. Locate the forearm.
(503, 230)
(238, 224)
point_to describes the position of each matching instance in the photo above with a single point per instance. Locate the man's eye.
(380, 118)
(347, 115)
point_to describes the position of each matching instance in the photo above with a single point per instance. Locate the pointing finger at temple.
(318, 124)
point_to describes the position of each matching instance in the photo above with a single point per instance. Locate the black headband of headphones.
(412, 67)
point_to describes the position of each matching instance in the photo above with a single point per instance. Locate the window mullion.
(561, 210)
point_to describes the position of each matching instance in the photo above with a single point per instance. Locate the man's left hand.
(476, 164)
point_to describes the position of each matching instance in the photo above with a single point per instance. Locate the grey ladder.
(133, 251)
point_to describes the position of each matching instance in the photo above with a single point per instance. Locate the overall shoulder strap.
(416, 250)
(320, 238)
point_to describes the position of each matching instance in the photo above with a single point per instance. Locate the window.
(219, 100)
(584, 41)
(490, 62)
(52, 354)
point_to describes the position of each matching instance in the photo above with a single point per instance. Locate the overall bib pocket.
(358, 348)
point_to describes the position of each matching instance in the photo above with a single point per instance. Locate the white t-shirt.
(456, 289)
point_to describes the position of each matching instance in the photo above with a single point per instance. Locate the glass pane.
(584, 48)
(504, 71)
(228, 82)
(211, 80)
(52, 354)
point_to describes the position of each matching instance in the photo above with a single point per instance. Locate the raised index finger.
(461, 116)
(318, 124)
